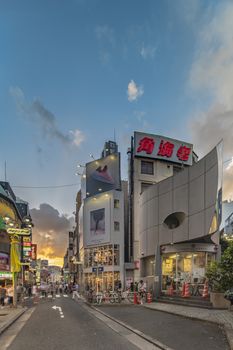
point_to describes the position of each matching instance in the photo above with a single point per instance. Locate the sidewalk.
(221, 317)
(9, 316)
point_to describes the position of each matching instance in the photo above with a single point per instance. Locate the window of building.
(116, 226)
(116, 203)
(147, 167)
(145, 185)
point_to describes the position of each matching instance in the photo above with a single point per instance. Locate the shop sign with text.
(164, 148)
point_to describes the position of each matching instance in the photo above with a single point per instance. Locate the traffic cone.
(171, 290)
(205, 291)
(186, 291)
(183, 290)
(135, 299)
(149, 298)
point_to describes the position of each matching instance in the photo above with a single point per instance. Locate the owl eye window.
(174, 220)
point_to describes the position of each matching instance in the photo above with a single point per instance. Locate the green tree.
(220, 274)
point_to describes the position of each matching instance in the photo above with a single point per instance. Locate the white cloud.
(147, 51)
(44, 119)
(134, 91)
(78, 137)
(212, 76)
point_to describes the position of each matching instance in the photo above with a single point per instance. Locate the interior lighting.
(27, 220)
(100, 189)
(94, 198)
(106, 195)
(6, 218)
(112, 157)
(84, 176)
(11, 224)
(88, 193)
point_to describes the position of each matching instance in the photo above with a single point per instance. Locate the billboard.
(103, 175)
(164, 148)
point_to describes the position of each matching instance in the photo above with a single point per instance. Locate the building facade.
(179, 224)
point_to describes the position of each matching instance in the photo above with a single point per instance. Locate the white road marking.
(60, 310)
(58, 296)
(65, 295)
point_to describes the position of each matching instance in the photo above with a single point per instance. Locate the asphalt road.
(177, 332)
(70, 328)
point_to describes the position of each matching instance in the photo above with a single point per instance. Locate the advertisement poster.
(97, 226)
(103, 175)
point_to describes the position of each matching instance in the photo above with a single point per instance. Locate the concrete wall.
(193, 191)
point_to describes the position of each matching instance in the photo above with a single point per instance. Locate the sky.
(72, 72)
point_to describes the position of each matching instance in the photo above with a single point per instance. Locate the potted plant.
(220, 277)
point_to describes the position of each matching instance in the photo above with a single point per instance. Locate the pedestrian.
(10, 294)
(2, 296)
(75, 291)
(29, 291)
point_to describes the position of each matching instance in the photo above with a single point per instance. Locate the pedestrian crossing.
(47, 297)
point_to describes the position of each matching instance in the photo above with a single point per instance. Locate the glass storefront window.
(181, 267)
(102, 255)
(101, 282)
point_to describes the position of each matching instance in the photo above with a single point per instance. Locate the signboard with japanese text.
(164, 148)
(19, 231)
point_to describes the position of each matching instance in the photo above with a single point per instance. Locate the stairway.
(192, 301)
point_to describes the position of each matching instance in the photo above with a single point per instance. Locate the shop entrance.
(103, 281)
(184, 267)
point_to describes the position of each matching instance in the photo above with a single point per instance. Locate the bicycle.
(115, 297)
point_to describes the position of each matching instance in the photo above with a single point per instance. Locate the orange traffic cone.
(205, 291)
(135, 299)
(149, 298)
(183, 290)
(171, 291)
(186, 291)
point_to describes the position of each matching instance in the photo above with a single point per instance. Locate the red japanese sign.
(159, 147)
(183, 153)
(146, 144)
(165, 149)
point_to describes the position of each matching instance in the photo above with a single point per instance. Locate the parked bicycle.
(115, 297)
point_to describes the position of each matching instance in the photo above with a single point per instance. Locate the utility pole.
(5, 170)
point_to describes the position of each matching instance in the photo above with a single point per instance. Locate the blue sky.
(72, 71)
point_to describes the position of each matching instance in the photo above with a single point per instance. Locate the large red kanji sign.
(183, 153)
(165, 149)
(146, 144)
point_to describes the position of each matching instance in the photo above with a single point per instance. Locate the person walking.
(2, 296)
(75, 291)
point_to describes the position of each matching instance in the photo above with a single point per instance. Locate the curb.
(133, 330)
(12, 320)
(227, 327)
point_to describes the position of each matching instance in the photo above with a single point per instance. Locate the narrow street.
(65, 324)
(46, 329)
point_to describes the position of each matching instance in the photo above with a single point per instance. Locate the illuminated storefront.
(103, 263)
(185, 263)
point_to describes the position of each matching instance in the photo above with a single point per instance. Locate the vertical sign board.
(34, 252)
